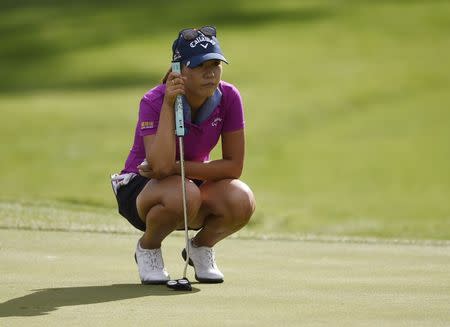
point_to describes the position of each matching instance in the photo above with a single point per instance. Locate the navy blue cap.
(195, 52)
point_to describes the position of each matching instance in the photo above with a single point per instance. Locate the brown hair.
(164, 79)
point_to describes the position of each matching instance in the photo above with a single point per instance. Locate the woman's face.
(203, 80)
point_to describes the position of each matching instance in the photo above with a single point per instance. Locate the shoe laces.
(210, 256)
(153, 260)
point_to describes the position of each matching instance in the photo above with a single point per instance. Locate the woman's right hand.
(174, 87)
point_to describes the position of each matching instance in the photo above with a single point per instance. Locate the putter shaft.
(183, 186)
(180, 131)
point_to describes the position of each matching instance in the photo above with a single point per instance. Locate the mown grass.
(346, 105)
(90, 279)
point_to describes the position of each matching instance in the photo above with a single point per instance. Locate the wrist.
(168, 103)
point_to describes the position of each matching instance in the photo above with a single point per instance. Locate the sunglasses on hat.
(185, 49)
(190, 34)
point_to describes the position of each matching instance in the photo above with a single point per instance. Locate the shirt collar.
(205, 110)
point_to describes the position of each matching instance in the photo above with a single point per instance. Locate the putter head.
(182, 284)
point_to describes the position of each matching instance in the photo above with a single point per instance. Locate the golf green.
(90, 279)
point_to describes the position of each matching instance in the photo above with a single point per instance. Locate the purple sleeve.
(148, 116)
(234, 110)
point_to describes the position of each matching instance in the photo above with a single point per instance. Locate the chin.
(211, 93)
(207, 93)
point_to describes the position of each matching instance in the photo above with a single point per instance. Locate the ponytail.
(164, 79)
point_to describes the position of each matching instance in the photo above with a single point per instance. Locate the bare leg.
(160, 207)
(160, 222)
(227, 206)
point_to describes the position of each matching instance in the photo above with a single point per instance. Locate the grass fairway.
(346, 105)
(347, 125)
(89, 279)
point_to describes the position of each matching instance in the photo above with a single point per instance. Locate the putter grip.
(179, 115)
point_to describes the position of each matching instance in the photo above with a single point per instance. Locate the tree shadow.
(43, 301)
(40, 36)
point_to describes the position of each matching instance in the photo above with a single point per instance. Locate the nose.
(209, 74)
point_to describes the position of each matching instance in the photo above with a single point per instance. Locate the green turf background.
(347, 106)
(347, 113)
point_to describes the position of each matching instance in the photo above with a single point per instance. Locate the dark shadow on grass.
(97, 83)
(43, 301)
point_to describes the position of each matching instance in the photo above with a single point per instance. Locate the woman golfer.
(148, 189)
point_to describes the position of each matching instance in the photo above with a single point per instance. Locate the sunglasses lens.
(189, 34)
(208, 30)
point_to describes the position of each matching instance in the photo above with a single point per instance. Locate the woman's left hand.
(146, 170)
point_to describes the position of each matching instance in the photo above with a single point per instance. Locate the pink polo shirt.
(202, 137)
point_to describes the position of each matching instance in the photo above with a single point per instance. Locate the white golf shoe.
(150, 265)
(203, 260)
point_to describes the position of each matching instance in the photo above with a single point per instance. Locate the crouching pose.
(148, 189)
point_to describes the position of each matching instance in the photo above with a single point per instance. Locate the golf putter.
(181, 284)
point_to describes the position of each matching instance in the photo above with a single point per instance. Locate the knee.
(173, 200)
(193, 198)
(240, 202)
